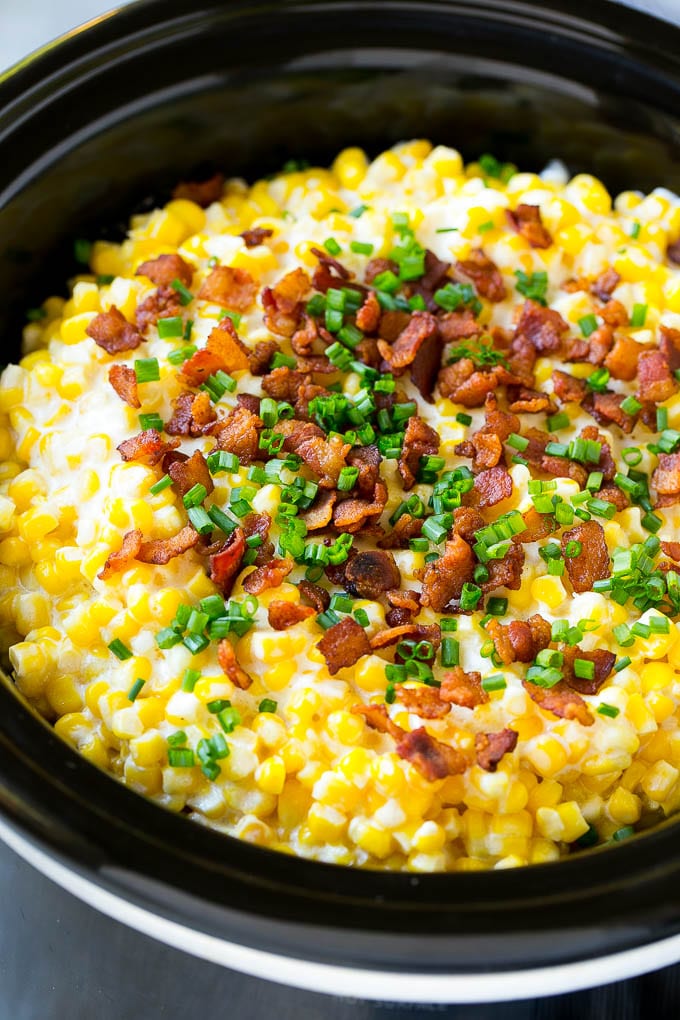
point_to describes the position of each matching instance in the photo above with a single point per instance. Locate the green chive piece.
(120, 650)
(135, 689)
(639, 316)
(169, 329)
(163, 483)
(147, 370)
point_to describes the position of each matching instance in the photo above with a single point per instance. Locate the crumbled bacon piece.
(226, 656)
(238, 433)
(113, 333)
(255, 524)
(320, 513)
(374, 267)
(406, 528)
(666, 479)
(669, 344)
(463, 689)
(655, 379)
(368, 316)
(466, 385)
(560, 467)
(484, 273)
(283, 384)
(261, 355)
(614, 314)
(567, 388)
(352, 514)
(255, 236)
(592, 563)
(164, 270)
(543, 327)
(603, 662)
(411, 631)
(327, 260)
(123, 557)
(161, 550)
(606, 408)
(283, 302)
(124, 382)
(605, 284)
(505, 573)
(491, 486)
(528, 401)
(164, 303)
(537, 526)
(230, 288)
(426, 365)
(526, 220)
(672, 549)
(622, 360)
(269, 575)
(191, 413)
(420, 440)
(282, 614)
(487, 441)
(392, 323)
(596, 349)
(225, 564)
(403, 351)
(319, 597)
(606, 464)
(466, 521)
(519, 640)
(443, 579)
(433, 759)
(561, 701)
(367, 459)
(408, 600)
(146, 445)
(459, 326)
(377, 718)
(194, 471)
(423, 701)
(344, 644)
(222, 352)
(372, 573)
(491, 747)
(203, 193)
(306, 337)
(325, 457)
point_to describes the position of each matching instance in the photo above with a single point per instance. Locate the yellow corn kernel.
(624, 807)
(73, 330)
(26, 487)
(7, 509)
(545, 794)
(445, 161)
(633, 774)
(93, 693)
(350, 167)
(548, 590)
(26, 444)
(639, 715)
(148, 781)
(270, 731)
(542, 851)
(660, 705)
(293, 803)
(563, 823)
(369, 673)
(200, 585)
(326, 824)
(14, 552)
(188, 212)
(346, 727)
(270, 776)
(659, 781)
(279, 676)
(429, 838)
(34, 524)
(573, 238)
(64, 695)
(590, 192)
(548, 756)
(72, 383)
(31, 611)
(371, 838)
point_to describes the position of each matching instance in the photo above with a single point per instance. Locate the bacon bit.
(459, 326)
(429, 756)
(223, 352)
(164, 270)
(567, 388)
(226, 656)
(463, 689)
(669, 344)
(372, 573)
(148, 444)
(491, 487)
(537, 526)
(466, 522)
(296, 432)
(261, 355)
(316, 364)
(526, 220)
(404, 530)
(403, 351)
(485, 275)
(368, 316)
(225, 564)
(490, 747)
(614, 314)
(543, 327)
(519, 641)
(113, 333)
(622, 360)
(599, 344)
(319, 597)
(377, 718)
(203, 193)
(164, 303)
(415, 631)
(283, 302)
(602, 660)
(283, 384)
(269, 575)
(505, 573)
(230, 288)
(560, 701)
(121, 560)
(368, 460)
(605, 284)
(194, 471)
(465, 385)
(528, 401)
(404, 600)
(352, 514)
(258, 524)
(673, 253)
(374, 267)
(392, 324)
(304, 338)
(420, 440)
(443, 579)
(592, 564)
(672, 549)
(655, 381)
(320, 513)
(238, 433)
(606, 408)
(325, 457)
(559, 467)
(327, 260)
(124, 382)
(498, 425)
(160, 551)
(307, 392)
(250, 402)
(606, 463)
(344, 644)
(426, 365)
(282, 614)
(423, 701)
(190, 414)
(666, 479)
(255, 236)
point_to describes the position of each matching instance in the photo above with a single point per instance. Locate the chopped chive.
(120, 650)
(181, 758)
(635, 230)
(177, 738)
(195, 496)
(639, 316)
(361, 247)
(587, 324)
(182, 354)
(169, 329)
(496, 682)
(151, 421)
(450, 651)
(135, 689)
(82, 251)
(163, 483)
(558, 421)
(630, 405)
(358, 211)
(200, 520)
(220, 461)
(332, 246)
(267, 705)
(281, 360)
(36, 314)
(464, 419)
(470, 596)
(146, 370)
(517, 442)
(185, 295)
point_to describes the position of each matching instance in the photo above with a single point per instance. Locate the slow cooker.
(108, 119)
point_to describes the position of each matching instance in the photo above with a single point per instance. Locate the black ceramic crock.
(108, 119)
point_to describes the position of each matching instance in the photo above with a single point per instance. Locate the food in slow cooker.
(339, 511)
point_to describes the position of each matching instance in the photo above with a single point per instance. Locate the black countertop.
(62, 960)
